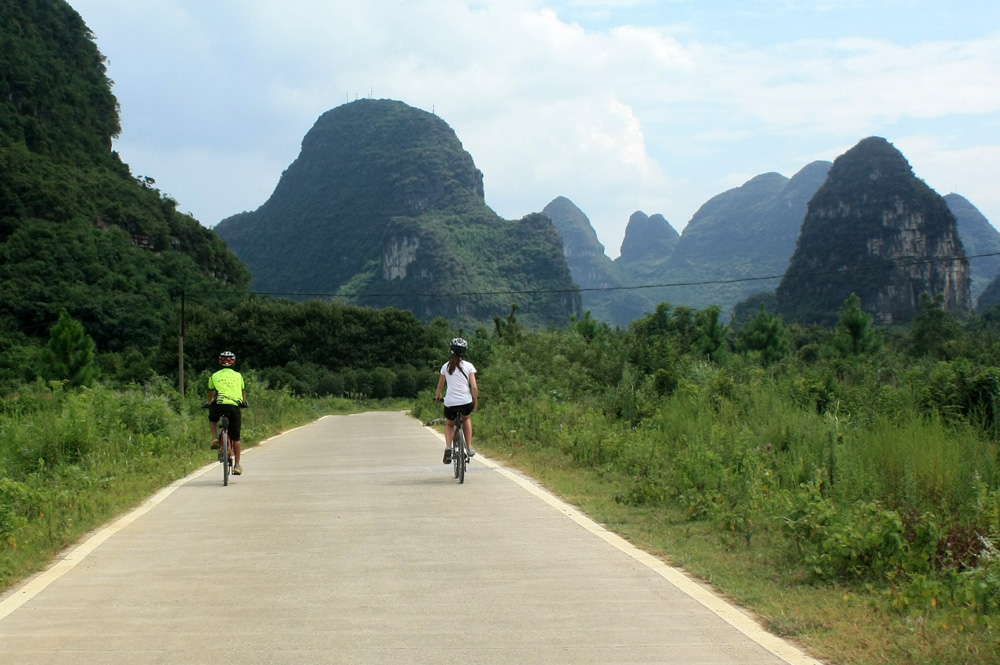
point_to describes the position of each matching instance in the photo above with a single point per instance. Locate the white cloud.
(618, 117)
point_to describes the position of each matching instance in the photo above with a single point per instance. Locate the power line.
(465, 294)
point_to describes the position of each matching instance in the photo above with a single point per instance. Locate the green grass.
(72, 461)
(848, 624)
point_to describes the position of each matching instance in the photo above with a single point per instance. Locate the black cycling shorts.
(451, 412)
(216, 411)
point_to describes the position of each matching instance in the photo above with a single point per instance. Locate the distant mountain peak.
(592, 270)
(873, 229)
(578, 234)
(384, 207)
(647, 237)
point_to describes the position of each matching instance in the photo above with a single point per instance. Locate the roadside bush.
(330, 384)
(406, 382)
(865, 542)
(382, 381)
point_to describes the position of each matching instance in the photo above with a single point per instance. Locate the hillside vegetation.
(77, 230)
(384, 207)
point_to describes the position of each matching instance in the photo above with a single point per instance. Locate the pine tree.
(69, 354)
(766, 333)
(712, 333)
(855, 335)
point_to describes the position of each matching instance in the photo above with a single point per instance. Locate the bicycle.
(225, 445)
(459, 454)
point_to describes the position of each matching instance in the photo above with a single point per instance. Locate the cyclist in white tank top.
(461, 397)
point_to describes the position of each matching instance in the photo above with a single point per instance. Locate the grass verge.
(847, 625)
(71, 462)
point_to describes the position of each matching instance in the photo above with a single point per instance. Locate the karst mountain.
(384, 207)
(876, 230)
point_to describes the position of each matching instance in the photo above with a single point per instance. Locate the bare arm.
(474, 387)
(437, 397)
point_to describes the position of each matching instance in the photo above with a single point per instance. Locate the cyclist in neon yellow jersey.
(226, 392)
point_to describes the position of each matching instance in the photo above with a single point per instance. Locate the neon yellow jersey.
(229, 385)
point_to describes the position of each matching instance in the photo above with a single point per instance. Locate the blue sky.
(619, 105)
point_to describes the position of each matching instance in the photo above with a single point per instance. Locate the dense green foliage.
(857, 456)
(316, 347)
(54, 95)
(384, 207)
(77, 231)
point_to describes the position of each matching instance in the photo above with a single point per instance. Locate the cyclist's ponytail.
(458, 348)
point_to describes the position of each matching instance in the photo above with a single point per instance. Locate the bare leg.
(238, 448)
(449, 433)
(467, 428)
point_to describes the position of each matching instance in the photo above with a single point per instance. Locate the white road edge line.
(718, 606)
(35, 585)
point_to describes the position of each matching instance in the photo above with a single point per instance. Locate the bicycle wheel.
(224, 453)
(454, 452)
(461, 456)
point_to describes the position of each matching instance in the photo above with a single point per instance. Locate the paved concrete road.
(348, 541)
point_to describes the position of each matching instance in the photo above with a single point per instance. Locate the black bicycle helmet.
(227, 358)
(459, 346)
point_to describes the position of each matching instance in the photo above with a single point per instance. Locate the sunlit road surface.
(348, 541)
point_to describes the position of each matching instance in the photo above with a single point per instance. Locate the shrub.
(382, 381)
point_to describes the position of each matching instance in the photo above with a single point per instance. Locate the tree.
(933, 328)
(767, 334)
(69, 354)
(588, 327)
(712, 333)
(855, 335)
(382, 383)
(509, 329)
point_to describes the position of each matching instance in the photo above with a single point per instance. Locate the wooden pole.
(180, 349)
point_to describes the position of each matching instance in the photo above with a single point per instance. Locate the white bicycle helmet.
(459, 346)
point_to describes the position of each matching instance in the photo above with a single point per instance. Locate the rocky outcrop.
(589, 265)
(875, 230)
(648, 238)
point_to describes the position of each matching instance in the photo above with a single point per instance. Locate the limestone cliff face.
(876, 230)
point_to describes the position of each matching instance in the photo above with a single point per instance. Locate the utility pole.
(180, 350)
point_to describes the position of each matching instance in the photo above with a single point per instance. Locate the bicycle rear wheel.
(224, 455)
(460, 456)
